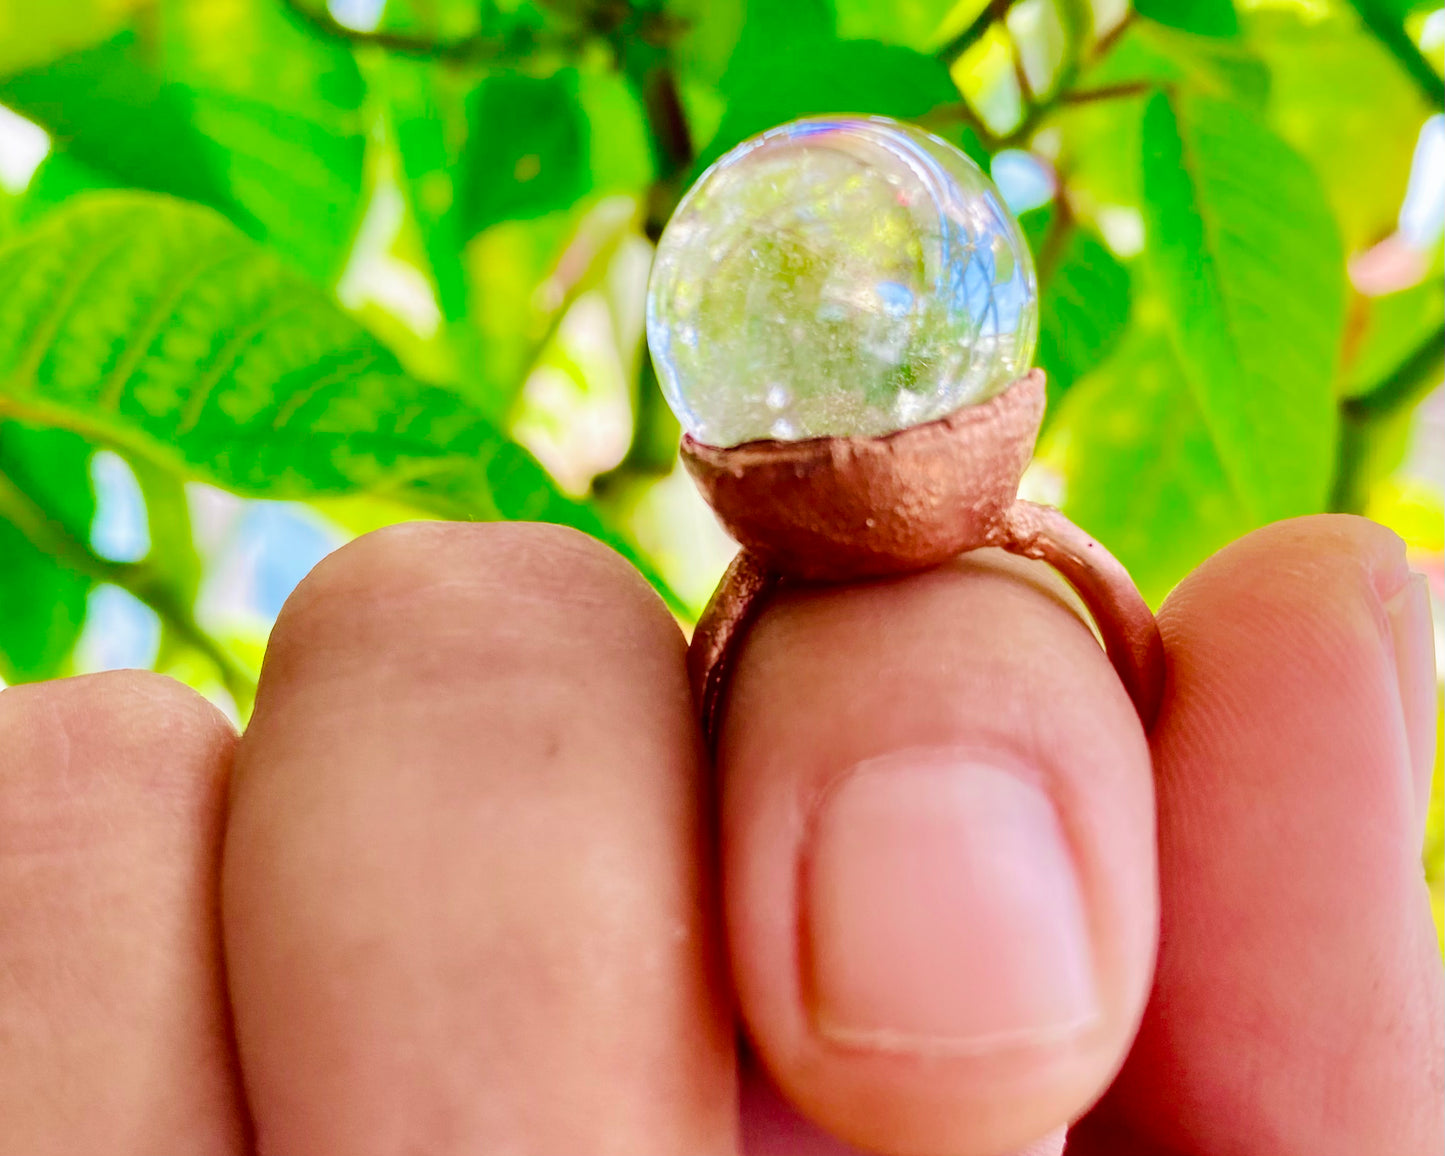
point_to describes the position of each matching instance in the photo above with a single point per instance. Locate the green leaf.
(526, 152)
(281, 112)
(913, 23)
(618, 156)
(1343, 103)
(231, 106)
(1084, 299)
(439, 21)
(1202, 17)
(113, 113)
(529, 274)
(155, 327)
(1394, 327)
(1083, 310)
(487, 284)
(1101, 138)
(1141, 470)
(1249, 264)
(61, 175)
(708, 37)
(52, 468)
(44, 484)
(788, 80)
(34, 34)
(768, 28)
(1152, 53)
(789, 62)
(1386, 21)
(427, 112)
(42, 607)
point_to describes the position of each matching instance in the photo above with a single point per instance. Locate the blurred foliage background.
(275, 272)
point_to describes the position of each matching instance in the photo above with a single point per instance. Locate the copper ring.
(842, 508)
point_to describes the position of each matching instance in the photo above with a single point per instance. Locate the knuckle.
(134, 727)
(408, 585)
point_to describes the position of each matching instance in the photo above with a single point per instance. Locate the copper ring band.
(835, 509)
(1130, 634)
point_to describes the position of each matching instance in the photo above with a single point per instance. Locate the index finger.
(1298, 1005)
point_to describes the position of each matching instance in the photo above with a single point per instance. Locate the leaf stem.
(1074, 63)
(1385, 25)
(1361, 417)
(1021, 74)
(1110, 40)
(1405, 385)
(139, 579)
(147, 585)
(46, 535)
(995, 11)
(1107, 92)
(463, 50)
(1056, 239)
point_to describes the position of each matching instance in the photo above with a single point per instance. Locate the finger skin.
(114, 1034)
(1298, 1004)
(465, 907)
(772, 1127)
(978, 658)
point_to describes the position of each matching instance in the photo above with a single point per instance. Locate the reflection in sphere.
(838, 276)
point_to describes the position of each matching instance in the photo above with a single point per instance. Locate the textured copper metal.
(838, 509)
(1125, 622)
(738, 599)
(833, 509)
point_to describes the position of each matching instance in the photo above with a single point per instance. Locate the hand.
(477, 888)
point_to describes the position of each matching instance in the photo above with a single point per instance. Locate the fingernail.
(942, 909)
(1413, 634)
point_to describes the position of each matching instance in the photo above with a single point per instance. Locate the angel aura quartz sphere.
(838, 276)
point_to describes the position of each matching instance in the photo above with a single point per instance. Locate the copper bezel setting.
(840, 509)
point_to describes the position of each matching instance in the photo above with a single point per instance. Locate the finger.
(1298, 1004)
(114, 1035)
(773, 1127)
(464, 905)
(938, 858)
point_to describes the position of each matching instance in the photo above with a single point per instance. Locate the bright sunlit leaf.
(45, 501)
(1142, 471)
(1249, 263)
(1204, 17)
(183, 343)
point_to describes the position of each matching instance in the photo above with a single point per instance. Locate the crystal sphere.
(838, 276)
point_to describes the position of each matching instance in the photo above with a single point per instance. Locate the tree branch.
(671, 140)
(524, 42)
(652, 447)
